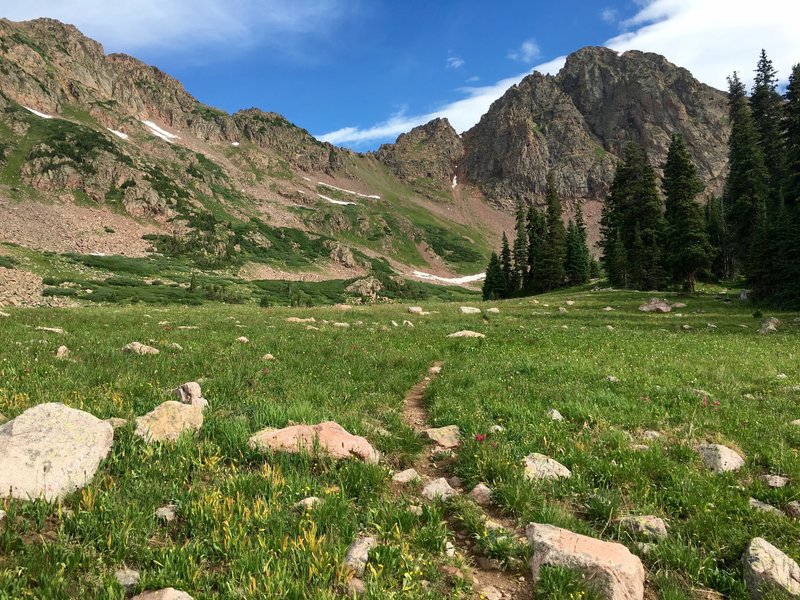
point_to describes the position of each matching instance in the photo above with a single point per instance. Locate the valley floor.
(699, 374)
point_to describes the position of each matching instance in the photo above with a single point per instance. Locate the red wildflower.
(480, 437)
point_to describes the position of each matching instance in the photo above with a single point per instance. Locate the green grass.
(236, 532)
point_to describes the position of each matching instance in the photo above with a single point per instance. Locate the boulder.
(446, 437)
(555, 415)
(307, 504)
(62, 352)
(656, 305)
(466, 333)
(438, 488)
(415, 310)
(406, 476)
(299, 320)
(539, 466)
(330, 437)
(469, 310)
(764, 507)
(358, 554)
(774, 481)
(165, 594)
(493, 310)
(646, 526)
(51, 450)
(137, 348)
(166, 514)
(720, 458)
(482, 494)
(167, 421)
(127, 578)
(770, 325)
(767, 569)
(611, 568)
(368, 289)
(190, 393)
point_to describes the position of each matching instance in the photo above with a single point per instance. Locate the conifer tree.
(520, 266)
(551, 267)
(747, 185)
(584, 256)
(578, 261)
(537, 232)
(505, 263)
(792, 128)
(767, 109)
(494, 285)
(715, 229)
(687, 247)
(616, 261)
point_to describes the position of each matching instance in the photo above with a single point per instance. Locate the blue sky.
(359, 72)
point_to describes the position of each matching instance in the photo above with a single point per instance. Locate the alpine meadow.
(553, 353)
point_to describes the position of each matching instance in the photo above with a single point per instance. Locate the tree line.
(656, 233)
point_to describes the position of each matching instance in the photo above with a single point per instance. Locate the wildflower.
(480, 437)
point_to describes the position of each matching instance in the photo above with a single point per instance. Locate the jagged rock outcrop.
(575, 123)
(427, 156)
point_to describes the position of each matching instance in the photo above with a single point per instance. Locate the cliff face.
(576, 123)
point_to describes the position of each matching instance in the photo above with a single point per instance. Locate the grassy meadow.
(237, 533)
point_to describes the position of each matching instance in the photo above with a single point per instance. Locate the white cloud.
(609, 15)
(455, 62)
(711, 38)
(182, 24)
(527, 52)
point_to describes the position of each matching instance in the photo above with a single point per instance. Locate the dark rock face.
(576, 123)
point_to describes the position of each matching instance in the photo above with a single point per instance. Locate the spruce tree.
(494, 285)
(506, 264)
(571, 259)
(584, 256)
(616, 261)
(578, 261)
(537, 233)
(767, 108)
(747, 184)
(715, 229)
(520, 266)
(551, 267)
(687, 247)
(792, 128)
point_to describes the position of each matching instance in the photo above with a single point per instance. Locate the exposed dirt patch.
(255, 271)
(22, 288)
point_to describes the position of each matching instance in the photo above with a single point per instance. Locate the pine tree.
(687, 247)
(715, 229)
(792, 128)
(494, 286)
(505, 264)
(537, 233)
(551, 271)
(520, 267)
(571, 258)
(584, 256)
(747, 185)
(578, 261)
(616, 261)
(767, 109)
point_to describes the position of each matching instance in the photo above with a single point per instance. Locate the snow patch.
(332, 201)
(119, 134)
(162, 133)
(338, 189)
(455, 181)
(37, 113)
(235, 144)
(453, 280)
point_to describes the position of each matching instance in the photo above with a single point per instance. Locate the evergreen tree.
(687, 247)
(767, 109)
(505, 264)
(715, 229)
(551, 267)
(494, 286)
(616, 261)
(537, 233)
(578, 261)
(584, 256)
(792, 128)
(520, 267)
(571, 259)
(747, 185)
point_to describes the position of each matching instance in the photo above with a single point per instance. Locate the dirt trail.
(507, 583)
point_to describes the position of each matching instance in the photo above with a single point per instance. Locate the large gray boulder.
(612, 569)
(51, 450)
(767, 569)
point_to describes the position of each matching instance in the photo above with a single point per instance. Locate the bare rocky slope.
(112, 150)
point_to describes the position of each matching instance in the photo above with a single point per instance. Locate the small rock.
(645, 548)
(127, 578)
(781, 376)
(394, 324)
(141, 349)
(539, 466)
(496, 429)
(608, 309)
(466, 333)
(720, 458)
(612, 378)
(610, 327)
(711, 326)
(561, 309)
(555, 415)
(449, 549)
(299, 320)
(311, 328)
(455, 482)
(686, 327)
(355, 587)
(447, 437)
(764, 507)
(767, 568)
(116, 422)
(188, 327)
(679, 305)
(415, 310)
(62, 352)
(190, 393)
(489, 564)
(489, 592)
(769, 326)
(406, 476)
(438, 488)
(651, 435)
(358, 554)
(342, 325)
(50, 329)
(2, 515)
(469, 310)
(166, 513)
(415, 510)
(656, 305)
(4, 314)
(569, 302)
(268, 357)
(176, 346)
(493, 310)
(482, 494)
(408, 324)
(165, 594)
(435, 369)
(167, 421)
(242, 340)
(645, 526)
(639, 447)
(793, 509)
(774, 481)
(307, 504)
